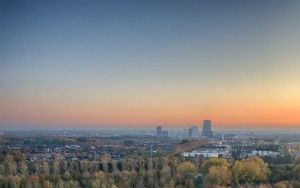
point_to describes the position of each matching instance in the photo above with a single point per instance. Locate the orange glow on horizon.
(237, 116)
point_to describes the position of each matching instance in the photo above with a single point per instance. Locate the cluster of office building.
(160, 131)
(192, 132)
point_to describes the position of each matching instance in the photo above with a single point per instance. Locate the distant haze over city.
(142, 64)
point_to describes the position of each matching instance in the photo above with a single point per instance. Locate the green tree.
(10, 166)
(251, 170)
(218, 175)
(47, 184)
(281, 184)
(23, 183)
(213, 162)
(296, 172)
(23, 167)
(187, 168)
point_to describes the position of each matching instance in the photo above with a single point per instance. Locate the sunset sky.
(145, 63)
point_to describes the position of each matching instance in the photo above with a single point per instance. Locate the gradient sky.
(143, 63)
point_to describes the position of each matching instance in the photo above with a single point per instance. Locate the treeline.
(16, 171)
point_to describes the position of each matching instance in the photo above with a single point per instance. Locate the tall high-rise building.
(158, 130)
(207, 128)
(194, 132)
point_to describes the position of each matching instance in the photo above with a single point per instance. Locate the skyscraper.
(158, 130)
(194, 132)
(207, 128)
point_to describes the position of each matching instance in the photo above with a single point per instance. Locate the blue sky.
(148, 57)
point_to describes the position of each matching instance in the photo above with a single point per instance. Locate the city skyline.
(143, 64)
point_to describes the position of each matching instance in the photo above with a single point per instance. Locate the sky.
(145, 63)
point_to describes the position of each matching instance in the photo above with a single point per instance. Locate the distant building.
(209, 152)
(160, 132)
(193, 132)
(207, 128)
(65, 132)
(262, 153)
(185, 132)
(164, 133)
